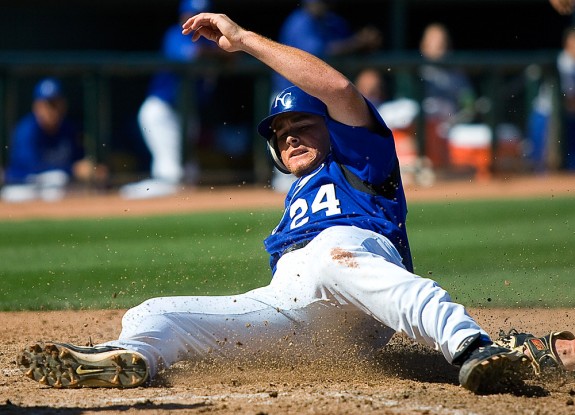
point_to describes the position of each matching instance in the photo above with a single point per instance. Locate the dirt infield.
(86, 204)
(404, 378)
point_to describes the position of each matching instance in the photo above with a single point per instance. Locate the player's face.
(302, 140)
(435, 43)
(49, 113)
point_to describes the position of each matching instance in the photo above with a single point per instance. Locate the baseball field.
(505, 249)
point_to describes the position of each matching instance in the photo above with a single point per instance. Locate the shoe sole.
(496, 374)
(60, 366)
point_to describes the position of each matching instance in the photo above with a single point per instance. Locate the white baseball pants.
(162, 132)
(347, 285)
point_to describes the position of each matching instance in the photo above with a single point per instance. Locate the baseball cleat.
(62, 365)
(493, 369)
(149, 189)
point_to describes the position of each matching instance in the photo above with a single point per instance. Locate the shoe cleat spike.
(116, 379)
(117, 360)
(51, 350)
(72, 376)
(23, 360)
(68, 366)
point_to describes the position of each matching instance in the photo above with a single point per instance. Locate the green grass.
(503, 253)
(517, 252)
(120, 262)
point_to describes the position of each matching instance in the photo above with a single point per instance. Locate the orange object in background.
(436, 144)
(405, 146)
(470, 147)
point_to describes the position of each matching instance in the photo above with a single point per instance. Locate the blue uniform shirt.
(32, 151)
(180, 48)
(303, 31)
(357, 185)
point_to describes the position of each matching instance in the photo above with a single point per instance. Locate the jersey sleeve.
(24, 154)
(370, 155)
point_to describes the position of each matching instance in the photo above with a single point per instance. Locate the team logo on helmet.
(285, 99)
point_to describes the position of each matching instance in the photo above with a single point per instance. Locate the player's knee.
(137, 314)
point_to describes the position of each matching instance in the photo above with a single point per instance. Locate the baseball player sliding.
(339, 255)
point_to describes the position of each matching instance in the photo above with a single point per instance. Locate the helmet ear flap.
(275, 155)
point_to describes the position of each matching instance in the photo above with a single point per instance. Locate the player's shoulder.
(26, 125)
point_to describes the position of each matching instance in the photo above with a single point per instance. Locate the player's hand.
(218, 28)
(564, 7)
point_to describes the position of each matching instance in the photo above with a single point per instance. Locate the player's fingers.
(187, 26)
(194, 23)
(214, 27)
(197, 21)
(207, 32)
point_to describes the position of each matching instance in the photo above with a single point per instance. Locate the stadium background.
(130, 25)
(79, 38)
(106, 52)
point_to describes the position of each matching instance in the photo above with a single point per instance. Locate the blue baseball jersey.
(358, 184)
(312, 34)
(33, 151)
(180, 48)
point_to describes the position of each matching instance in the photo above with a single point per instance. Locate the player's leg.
(265, 320)
(161, 130)
(289, 314)
(169, 329)
(362, 268)
(162, 331)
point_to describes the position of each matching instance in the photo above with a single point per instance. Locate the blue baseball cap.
(194, 6)
(48, 88)
(291, 99)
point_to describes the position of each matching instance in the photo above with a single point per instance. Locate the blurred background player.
(566, 69)
(400, 115)
(448, 96)
(159, 119)
(317, 29)
(45, 151)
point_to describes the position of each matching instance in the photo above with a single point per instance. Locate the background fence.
(106, 89)
(106, 52)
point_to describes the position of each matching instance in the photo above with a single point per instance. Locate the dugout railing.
(508, 81)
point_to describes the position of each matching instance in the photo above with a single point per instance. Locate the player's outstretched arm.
(345, 104)
(564, 7)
